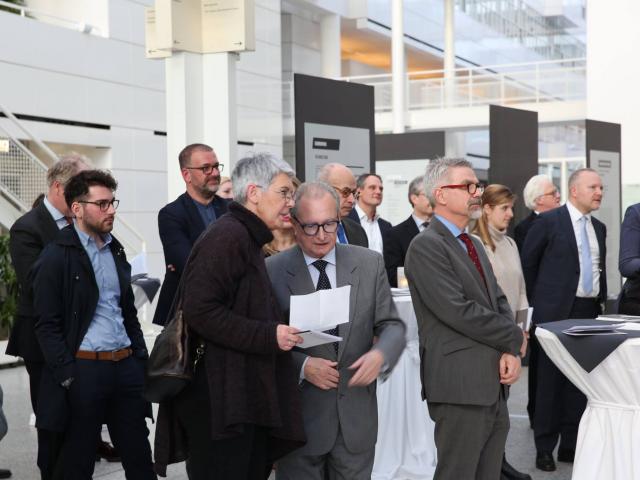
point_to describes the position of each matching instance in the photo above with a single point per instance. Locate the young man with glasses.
(337, 380)
(88, 329)
(182, 221)
(344, 183)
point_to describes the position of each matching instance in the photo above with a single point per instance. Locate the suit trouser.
(49, 443)
(337, 464)
(243, 457)
(107, 392)
(532, 380)
(470, 439)
(559, 404)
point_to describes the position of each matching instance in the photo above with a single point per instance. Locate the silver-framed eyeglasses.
(286, 194)
(311, 229)
(103, 205)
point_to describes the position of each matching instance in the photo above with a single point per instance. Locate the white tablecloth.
(608, 445)
(405, 448)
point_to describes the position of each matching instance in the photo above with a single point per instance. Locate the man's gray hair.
(66, 167)
(438, 174)
(416, 187)
(534, 189)
(257, 169)
(573, 178)
(315, 190)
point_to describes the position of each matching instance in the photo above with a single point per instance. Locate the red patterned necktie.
(473, 255)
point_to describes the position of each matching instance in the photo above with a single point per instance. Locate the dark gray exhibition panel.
(334, 122)
(513, 149)
(410, 146)
(603, 155)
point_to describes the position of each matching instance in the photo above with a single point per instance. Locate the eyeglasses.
(208, 169)
(103, 204)
(312, 229)
(346, 191)
(553, 193)
(472, 188)
(285, 193)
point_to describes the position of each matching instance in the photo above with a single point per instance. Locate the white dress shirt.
(371, 228)
(576, 216)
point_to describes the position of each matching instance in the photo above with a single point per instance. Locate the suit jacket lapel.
(454, 244)
(192, 212)
(567, 225)
(346, 271)
(49, 224)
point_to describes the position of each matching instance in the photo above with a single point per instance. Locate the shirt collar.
(363, 216)
(418, 221)
(455, 231)
(576, 214)
(55, 213)
(329, 257)
(86, 240)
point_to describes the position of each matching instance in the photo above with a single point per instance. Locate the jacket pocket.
(456, 345)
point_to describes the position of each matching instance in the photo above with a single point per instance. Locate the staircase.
(23, 178)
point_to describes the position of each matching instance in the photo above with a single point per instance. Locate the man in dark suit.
(563, 261)
(182, 221)
(27, 238)
(469, 341)
(368, 199)
(540, 195)
(337, 381)
(91, 340)
(342, 180)
(397, 239)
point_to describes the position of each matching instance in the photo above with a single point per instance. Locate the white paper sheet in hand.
(312, 339)
(320, 310)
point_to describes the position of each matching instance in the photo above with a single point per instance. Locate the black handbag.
(173, 358)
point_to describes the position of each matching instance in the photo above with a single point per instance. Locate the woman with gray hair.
(242, 410)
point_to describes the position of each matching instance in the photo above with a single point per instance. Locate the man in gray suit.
(337, 381)
(469, 342)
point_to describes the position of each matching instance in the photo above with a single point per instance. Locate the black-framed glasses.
(346, 191)
(208, 169)
(103, 204)
(311, 229)
(472, 188)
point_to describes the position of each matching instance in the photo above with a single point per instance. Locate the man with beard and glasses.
(91, 340)
(469, 341)
(182, 221)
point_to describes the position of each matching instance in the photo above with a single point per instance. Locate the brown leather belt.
(114, 356)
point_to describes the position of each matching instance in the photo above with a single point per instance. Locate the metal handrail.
(41, 168)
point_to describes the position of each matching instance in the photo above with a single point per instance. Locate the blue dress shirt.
(455, 231)
(207, 213)
(106, 331)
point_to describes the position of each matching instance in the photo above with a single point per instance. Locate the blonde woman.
(491, 229)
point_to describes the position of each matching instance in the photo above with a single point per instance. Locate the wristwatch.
(67, 383)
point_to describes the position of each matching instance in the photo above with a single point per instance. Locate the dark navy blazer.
(180, 225)
(551, 264)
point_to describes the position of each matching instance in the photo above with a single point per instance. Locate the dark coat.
(522, 228)
(355, 233)
(66, 296)
(551, 265)
(231, 306)
(180, 225)
(27, 238)
(395, 245)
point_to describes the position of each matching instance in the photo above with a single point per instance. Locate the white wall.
(59, 73)
(612, 75)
